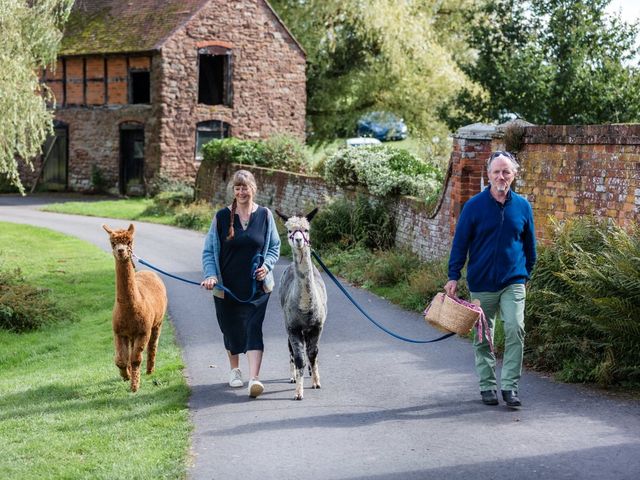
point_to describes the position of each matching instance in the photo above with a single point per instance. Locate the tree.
(31, 34)
(550, 62)
(378, 55)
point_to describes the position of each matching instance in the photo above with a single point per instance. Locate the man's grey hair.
(508, 155)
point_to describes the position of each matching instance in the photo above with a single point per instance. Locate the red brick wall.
(581, 170)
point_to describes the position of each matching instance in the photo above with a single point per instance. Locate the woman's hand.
(261, 273)
(209, 283)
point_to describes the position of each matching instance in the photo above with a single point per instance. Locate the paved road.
(387, 409)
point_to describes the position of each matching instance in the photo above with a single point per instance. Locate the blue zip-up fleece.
(499, 239)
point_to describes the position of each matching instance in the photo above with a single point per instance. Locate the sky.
(630, 8)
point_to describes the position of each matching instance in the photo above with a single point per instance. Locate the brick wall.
(565, 171)
(581, 170)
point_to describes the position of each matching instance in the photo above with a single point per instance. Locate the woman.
(240, 235)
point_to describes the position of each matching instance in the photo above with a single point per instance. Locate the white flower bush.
(383, 171)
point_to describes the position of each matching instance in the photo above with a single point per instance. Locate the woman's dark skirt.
(241, 323)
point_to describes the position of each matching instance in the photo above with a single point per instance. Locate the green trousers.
(509, 303)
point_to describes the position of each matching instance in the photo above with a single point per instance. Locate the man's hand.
(451, 287)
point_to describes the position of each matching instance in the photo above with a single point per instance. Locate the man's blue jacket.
(499, 240)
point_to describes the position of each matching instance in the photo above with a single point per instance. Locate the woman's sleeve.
(210, 251)
(273, 250)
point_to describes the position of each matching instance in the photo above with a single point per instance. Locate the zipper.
(499, 234)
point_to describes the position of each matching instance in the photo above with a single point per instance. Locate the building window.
(139, 86)
(207, 131)
(214, 77)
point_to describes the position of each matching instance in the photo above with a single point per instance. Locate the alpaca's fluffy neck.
(304, 278)
(126, 290)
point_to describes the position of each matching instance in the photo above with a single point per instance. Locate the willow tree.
(391, 55)
(31, 34)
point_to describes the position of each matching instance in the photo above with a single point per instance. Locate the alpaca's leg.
(153, 347)
(122, 356)
(136, 360)
(292, 365)
(297, 345)
(312, 339)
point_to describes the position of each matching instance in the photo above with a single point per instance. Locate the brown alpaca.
(141, 302)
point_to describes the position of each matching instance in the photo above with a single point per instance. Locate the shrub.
(584, 304)
(98, 181)
(383, 171)
(160, 183)
(24, 307)
(278, 152)
(360, 222)
(196, 216)
(285, 153)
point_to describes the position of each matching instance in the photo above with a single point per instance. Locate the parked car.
(361, 141)
(384, 126)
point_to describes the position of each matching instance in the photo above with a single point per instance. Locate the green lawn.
(128, 209)
(64, 411)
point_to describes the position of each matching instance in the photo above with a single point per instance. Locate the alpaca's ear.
(309, 216)
(281, 215)
(107, 229)
(131, 228)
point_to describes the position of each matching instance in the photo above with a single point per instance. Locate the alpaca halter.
(307, 242)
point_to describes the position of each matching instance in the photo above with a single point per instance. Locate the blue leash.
(255, 265)
(399, 337)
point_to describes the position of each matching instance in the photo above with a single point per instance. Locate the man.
(495, 230)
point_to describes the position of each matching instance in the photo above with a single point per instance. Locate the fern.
(584, 303)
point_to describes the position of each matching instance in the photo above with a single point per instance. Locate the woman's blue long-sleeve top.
(499, 240)
(211, 253)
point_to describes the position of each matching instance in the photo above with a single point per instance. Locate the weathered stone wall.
(417, 228)
(94, 139)
(269, 82)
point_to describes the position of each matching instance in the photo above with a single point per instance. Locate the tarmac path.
(387, 409)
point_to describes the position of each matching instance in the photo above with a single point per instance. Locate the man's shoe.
(511, 398)
(255, 388)
(489, 397)
(235, 378)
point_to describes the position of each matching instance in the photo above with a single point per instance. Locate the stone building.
(141, 85)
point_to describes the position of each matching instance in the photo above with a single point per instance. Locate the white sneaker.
(235, 378)
(255, 388)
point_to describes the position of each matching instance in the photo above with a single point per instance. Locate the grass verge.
(64, 411)
(127, 209)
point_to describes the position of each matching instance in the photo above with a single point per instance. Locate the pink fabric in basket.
(482, 327)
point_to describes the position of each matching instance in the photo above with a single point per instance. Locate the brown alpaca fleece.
(140, 305)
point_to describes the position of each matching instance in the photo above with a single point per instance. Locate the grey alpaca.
(303, 297)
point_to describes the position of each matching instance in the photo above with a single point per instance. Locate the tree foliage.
(31, 33)
(378, 55)
(550, 62)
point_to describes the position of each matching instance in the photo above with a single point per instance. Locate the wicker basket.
(451, 315)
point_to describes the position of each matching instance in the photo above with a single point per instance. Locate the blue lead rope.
(256, 262)
(386, 330)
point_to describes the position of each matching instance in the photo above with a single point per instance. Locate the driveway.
(387, 409)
